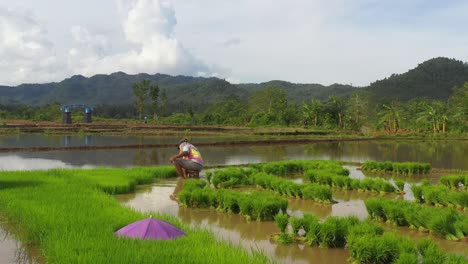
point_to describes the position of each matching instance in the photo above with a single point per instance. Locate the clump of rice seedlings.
(455, 181)
(282, 220)
(407, 258)
(406, 168)
(317, 193)
(296, 224)
(209, 175)
(440, 195)
(369, 248)
(334, 230)
(364, 228)
(444, 222)
(400, 184)
(312, 236)
(417, 192)
(430, 252)
(229, 177)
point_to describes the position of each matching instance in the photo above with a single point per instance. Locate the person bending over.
(188, 159)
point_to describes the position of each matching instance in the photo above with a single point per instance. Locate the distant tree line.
(270, 107)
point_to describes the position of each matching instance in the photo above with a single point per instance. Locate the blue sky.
(306, 41)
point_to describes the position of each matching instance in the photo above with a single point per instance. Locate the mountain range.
(433, 79)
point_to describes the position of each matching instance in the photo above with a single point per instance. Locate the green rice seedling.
(284, 238)
(334, 230)
(375, 209)
(455, 259)
(454, 181)
(317, 193)
(417, 192)
(407, 258)
(282, 220)
(245, 206)
(400, 184)
(72, 221)
(406, 168)
(312, 236)
(229, 177)
(364, 228)
(201, 198)
(367, 184)
(356, 184)
(443, 224)
(430, 252)
(374, 249)
(307, 220)
(192, 184)
(394, 213)
(296, 224)
(209, 175)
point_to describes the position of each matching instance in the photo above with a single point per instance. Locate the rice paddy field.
(292, 211)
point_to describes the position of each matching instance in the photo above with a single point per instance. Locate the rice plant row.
(440, 195)
(366, 241)
(68, 216)
(458, 182)
(231, 177)
(291, 167)
(254, 205)
(406, 168)
(446, 223)
(329, 178)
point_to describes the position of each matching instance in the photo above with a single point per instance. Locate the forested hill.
(434, 78)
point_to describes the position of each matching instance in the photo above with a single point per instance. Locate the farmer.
(188, 159)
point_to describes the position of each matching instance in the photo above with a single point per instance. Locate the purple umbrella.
(150, 229)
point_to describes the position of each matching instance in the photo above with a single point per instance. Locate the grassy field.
(71, 216)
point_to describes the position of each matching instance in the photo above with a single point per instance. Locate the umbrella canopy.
(150, 229)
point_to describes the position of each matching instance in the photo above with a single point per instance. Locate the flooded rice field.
(257, 235)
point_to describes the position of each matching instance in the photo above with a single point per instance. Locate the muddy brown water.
(444, 154)
(255, 234)
(12, 251)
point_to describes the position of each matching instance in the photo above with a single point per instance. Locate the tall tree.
(391, 117)
(312, 111)
(163, 111)
(337, 109)
(154, 95)
(140, 90)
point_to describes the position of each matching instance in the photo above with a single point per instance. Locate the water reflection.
(12, 251)
(19, 163)
(448, 154)
(233, 227)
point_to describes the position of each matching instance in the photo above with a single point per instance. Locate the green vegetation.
(254, 205)
(440, 195)
(366, 241)
(67, 215)
(430, 99)
(408, 168)
(446, 223)
(455, 181)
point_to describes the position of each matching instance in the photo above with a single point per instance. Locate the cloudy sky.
(307, 41)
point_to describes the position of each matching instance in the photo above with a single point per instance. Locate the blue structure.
(67, 119)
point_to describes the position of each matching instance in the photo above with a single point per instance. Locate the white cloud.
(148, 26)
(26, 55)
